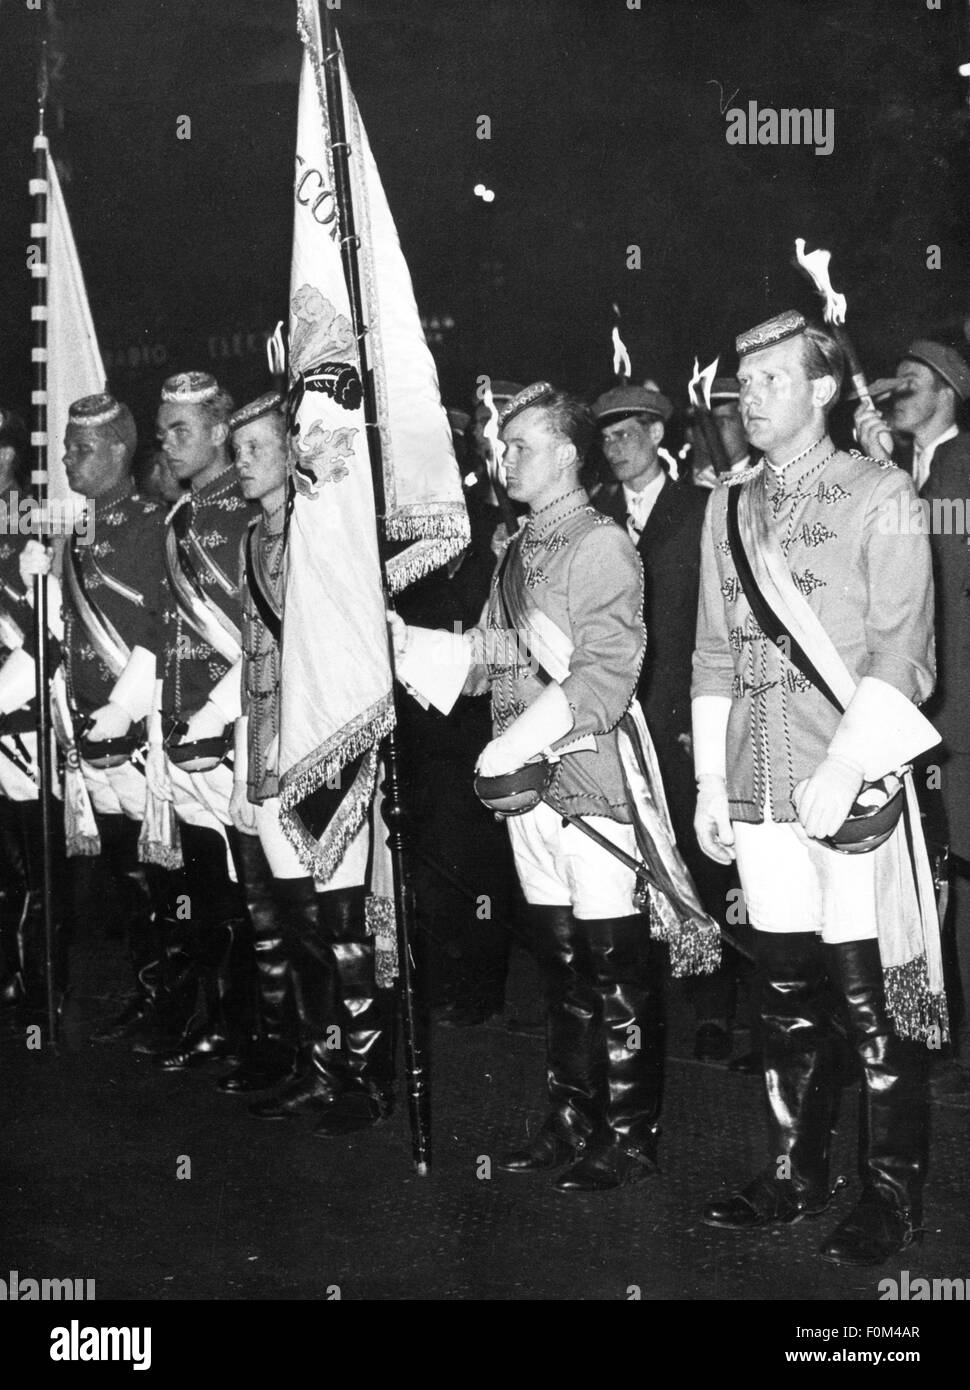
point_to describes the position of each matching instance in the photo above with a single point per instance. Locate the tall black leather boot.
(137, 904)
(224, 957)
(272, 1055)
(369, 1018)
(316, 921)
(575, 1063)
(627, 978)
(177, 995)
(894, 1129)
(800, 1087)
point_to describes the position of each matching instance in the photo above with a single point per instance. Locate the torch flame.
(276, 351)
(816, 267)
(621, 358)
(701, 382)
(495, 464)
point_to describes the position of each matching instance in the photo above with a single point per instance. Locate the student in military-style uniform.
(190, 744)
(109, 584)
(792, 721)
(560, 648)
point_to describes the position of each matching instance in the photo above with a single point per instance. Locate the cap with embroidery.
(190, 388)
(267, 404)
(624, 401)
(945, 361)
(522, 400)
(776, 330)
(92, 411)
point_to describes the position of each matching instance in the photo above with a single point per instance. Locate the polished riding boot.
(893, 1133)
(225, 958)
(272, 1056)
(627, 978)
(144, 946)
(575, 1070)
(315, 920)
(369, 1018)
(800, 1086)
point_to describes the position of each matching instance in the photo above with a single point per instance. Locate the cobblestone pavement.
(91, 1140)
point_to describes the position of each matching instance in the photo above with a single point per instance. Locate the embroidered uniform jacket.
(950, 480)
(584, 574)
(836, 516)
(127, 549)
(261, 666)
(219, 516)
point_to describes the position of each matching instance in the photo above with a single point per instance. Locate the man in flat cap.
(560, 649)
(198, 701)
(814, 645)
(932, 384)
(111, 581)
(663, 519)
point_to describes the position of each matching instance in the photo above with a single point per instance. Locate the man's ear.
(824, 390)
(566, 456)
(220, 433)
(655, 432)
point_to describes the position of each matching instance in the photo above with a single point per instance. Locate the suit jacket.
(949, 480)
(670, 549)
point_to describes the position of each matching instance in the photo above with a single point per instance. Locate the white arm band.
(881, 730)
(435, 664)
(134, 690)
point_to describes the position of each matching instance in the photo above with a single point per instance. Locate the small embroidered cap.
(269, 404)
(787, 325)
(535, 394)
(104, 412)
(624, 401)
(190, 388)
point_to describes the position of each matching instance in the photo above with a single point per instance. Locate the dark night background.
(607, 130)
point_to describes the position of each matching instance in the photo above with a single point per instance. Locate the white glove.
(712, 820)
(548, 719)
(35, 558)
(110, 721)
(824, 800)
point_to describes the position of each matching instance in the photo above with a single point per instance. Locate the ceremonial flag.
(74, 366)
(337, 696)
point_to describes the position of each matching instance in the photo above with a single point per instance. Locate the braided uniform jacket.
(836, 515)
(583, 572)
(261, 668)
(220, 516)
(127, 546)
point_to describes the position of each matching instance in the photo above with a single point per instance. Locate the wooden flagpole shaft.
(38, 477)
(419, 1097)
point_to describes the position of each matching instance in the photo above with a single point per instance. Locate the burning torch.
(816, 267)
(276, 357)
(622, 368)
(495, 463)
(699, 391)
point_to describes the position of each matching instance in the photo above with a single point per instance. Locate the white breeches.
(560, 866)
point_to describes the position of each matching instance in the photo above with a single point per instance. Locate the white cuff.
(156, 734)
(547, 719)
(881, 730)
(226, 694)
(709, 718)
(18, 681)
(134, 689)
(240, 762)
(435, 664)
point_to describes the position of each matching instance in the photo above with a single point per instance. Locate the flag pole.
(39, 188)
(419, 1097)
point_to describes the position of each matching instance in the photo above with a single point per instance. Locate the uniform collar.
(790, 476)
(223, 482)
(547, 518)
